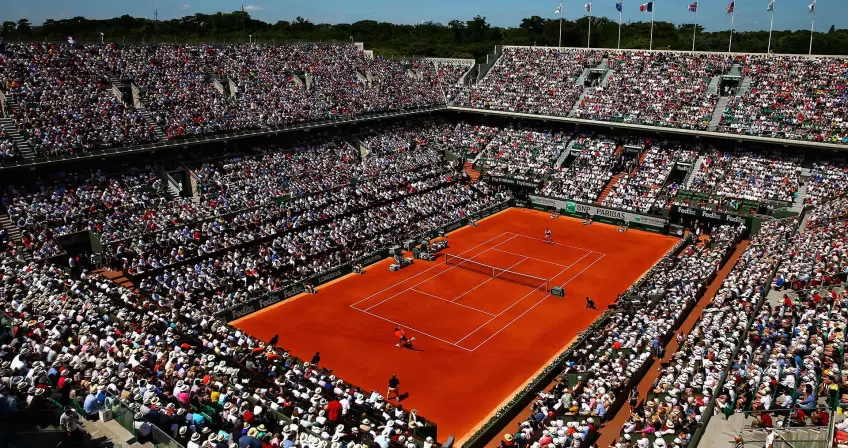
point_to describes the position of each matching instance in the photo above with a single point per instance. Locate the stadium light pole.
(589, 39)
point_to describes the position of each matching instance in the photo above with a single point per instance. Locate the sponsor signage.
(332, 274)
(576, 208)
(511, 181)
(711, 215)
(372, 258)
(454, 226)
(264, 302)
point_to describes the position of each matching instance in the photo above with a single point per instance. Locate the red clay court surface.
(479, 338)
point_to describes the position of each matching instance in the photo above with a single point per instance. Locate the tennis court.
(481, 291)
(480, 336)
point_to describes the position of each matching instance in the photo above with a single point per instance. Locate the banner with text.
(511, 181)
(697, 213)
(576, 208)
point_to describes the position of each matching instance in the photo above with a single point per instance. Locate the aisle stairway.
(12, 231)
(608, 188)
(576, 105)
(744, 86)
(564, 155)
(20, 142)
(694, 170)
(469, 168)
(717, 113)
(111, 434)
(156, 128)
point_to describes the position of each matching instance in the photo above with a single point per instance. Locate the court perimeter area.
(479, 337)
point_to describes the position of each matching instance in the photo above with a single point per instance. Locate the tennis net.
(496, 272)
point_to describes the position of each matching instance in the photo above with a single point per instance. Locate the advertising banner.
(680, 211)
(511, 181)
(608, 214)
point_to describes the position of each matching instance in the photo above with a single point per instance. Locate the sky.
(750, 14)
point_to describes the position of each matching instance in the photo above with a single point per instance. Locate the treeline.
(466, 39)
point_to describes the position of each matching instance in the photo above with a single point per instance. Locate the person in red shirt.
(403, 341)
(334, 412)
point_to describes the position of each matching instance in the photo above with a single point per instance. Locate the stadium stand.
(531, 80)
(271, 217)
(655, 88)
(791, 97)
(588, 174)
(65, 102)
(522, 153)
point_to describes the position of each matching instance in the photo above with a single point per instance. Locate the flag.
(588, 7)
(71, 40)
(730, 7)
(559, 9)
(647, 7)
(618, 6)
(693, 7)
(770, 7)
(812, 6)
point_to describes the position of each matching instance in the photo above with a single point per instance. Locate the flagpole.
(696, 27)
(651, 44)
(589, 40)
(619, 28)
(732, 16)
(771, 26)
(812, 26)
(560, 25)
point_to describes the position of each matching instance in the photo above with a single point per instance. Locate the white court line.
(537, 259)
(424, 271)
(536, 304)
(409, 328)
(519, 300)
(555, 244)
(440, 273)
(490, 279)
(451, 301)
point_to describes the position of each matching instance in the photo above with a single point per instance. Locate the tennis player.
(403, 341)
(549, 238)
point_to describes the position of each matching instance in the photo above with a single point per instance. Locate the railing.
(125, 416)
(223, 137)
(710, 410)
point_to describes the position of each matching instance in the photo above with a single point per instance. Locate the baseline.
(432, 277)
(555, 243)
(425, 271)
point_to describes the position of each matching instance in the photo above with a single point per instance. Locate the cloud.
(184, 7)
(253, 8)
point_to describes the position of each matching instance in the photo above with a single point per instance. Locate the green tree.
(24, 27)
